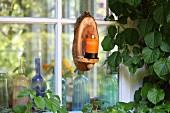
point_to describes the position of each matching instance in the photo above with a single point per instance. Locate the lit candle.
(91, 50)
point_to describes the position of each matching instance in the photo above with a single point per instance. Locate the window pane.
(27, 8)
(28, 42)
(94, 76)
(73, 8)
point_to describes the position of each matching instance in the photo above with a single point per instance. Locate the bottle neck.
(37, 66)
(21, 71)
(80, 73)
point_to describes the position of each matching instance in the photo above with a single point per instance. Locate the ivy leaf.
(168, 16)
(117, 7)
(122, 20)
(137, 96)
(52, 104)
(62, 110)
(153, 39)
(108, 43)
(87, 108)
(133, 2)
(120, 39)
(122, 1)
(145, 25)
(165, 46)
(109, 18)
(127, 60)
(112, 30)
(132, 68)
(159, 15)
(135, 50)
(161, 2)
(132, 36)
(150, 70)
(133, 15)
(168, 63)
(114, 59)
(161, 67)
(19, 108)
(155, 95)
(29, 105)
(124, 106)
(136, 60)
(145, 89)
(27, 92)
(166, 28)
(150, 55)
(39, 101)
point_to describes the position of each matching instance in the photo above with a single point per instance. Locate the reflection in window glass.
(28, 42)
(95, 75)
(27, 8)
(73, 8)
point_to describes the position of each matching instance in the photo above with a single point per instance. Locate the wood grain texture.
(84, 26)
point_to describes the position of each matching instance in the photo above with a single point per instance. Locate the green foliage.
(50, 101)
(108, 43)
(131, 36)
(120, 107)
(155, 95)
(145, 40)
(150, 55)
(114, 59)
(153, 39)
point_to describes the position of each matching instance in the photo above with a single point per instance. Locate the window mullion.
(58, 50)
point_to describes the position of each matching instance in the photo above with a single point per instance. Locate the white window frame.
(58, 21)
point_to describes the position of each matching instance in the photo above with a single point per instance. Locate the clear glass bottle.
(37, 82)
(81, 94)
(63, 93)
(52, 86)
(20, 83)
(109, 90)
(50, 80)
(3, 91)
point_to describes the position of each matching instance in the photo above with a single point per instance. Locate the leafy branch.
(50, 102)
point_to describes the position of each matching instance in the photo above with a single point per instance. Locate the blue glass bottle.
(109, 90)
(38, 83)
(80, 92)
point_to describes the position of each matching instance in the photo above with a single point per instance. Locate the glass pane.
(73, 8)
(27, 8)
(94, 76)
(27, 42)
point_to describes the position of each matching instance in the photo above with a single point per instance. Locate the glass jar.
(81, 94)
(3, 91)
(109, 90)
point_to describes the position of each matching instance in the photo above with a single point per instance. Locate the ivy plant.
(49, 103)
(143, 39)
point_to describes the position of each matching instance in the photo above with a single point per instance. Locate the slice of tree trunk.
(84, 26)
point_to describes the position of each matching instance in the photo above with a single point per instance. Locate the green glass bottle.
(3, 91)
(109, 89)
(20, 83)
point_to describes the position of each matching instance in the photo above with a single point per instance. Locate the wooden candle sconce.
(85, 43)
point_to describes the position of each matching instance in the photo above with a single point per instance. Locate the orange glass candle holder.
(91, 50)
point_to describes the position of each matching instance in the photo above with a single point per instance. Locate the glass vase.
(80, 92)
